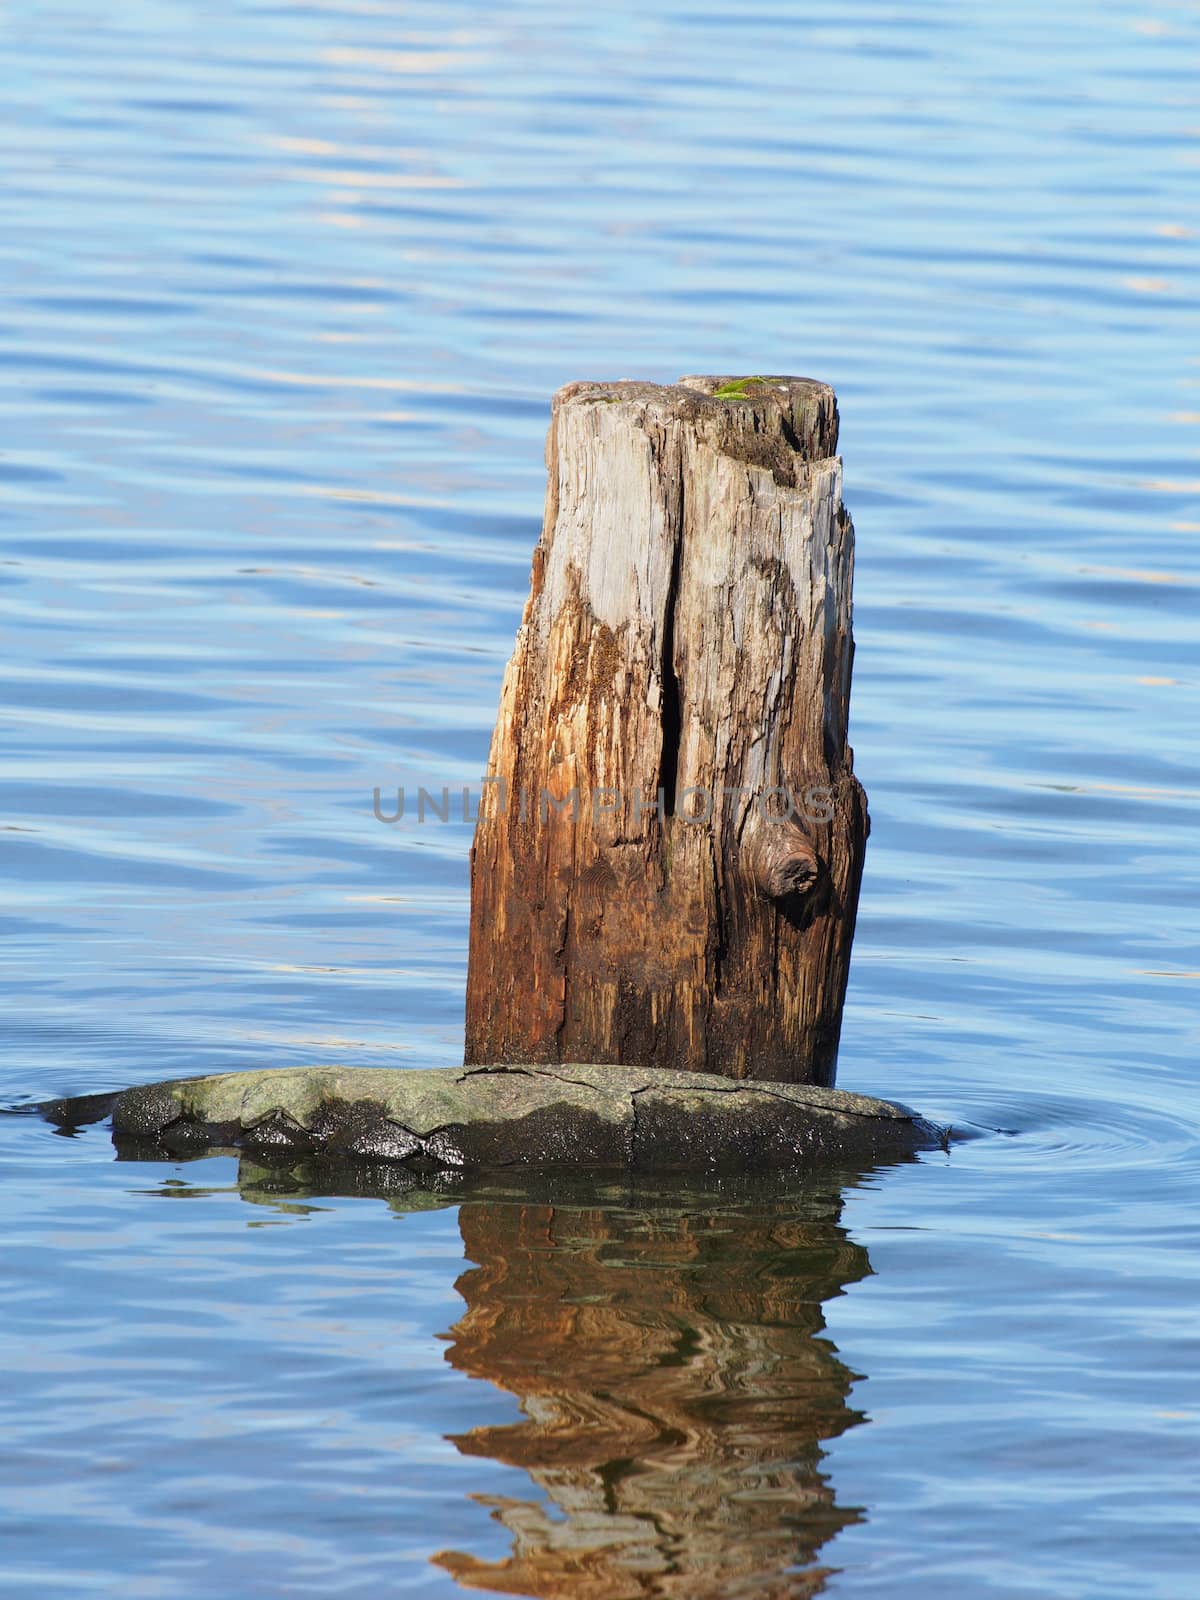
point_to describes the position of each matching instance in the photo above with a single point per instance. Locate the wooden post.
(665, 870)
(666, 865)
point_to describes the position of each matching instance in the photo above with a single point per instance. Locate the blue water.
(288, 289)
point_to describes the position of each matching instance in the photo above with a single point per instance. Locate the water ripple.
(288, 295)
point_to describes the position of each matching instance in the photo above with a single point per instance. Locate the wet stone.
(574, 1117)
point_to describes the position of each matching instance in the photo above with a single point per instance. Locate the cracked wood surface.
(577, 1116)
(686, 646)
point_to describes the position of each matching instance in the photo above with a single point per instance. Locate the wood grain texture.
(685, 650)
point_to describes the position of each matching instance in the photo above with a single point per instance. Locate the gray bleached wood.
(638, 902)
(686, 647)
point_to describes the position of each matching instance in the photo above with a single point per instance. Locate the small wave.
(1082, 1133)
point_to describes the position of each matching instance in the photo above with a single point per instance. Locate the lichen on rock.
(578, 1117)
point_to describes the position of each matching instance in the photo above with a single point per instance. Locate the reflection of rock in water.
(675, 1392)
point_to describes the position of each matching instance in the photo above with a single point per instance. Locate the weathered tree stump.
(667, 860)
(665, 873)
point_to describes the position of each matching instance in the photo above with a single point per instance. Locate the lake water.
(288, 289)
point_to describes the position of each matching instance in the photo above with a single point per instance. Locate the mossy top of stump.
(576, 1116)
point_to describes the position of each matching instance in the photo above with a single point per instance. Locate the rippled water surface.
(288, 289)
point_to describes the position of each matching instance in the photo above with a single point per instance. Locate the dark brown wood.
(666, 866)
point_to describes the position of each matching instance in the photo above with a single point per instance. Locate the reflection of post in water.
(666, 1350)
(675, 1389)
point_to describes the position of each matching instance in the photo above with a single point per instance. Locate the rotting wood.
(667, 860)
(665, 875)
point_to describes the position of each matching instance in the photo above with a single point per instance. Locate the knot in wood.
(780, 858)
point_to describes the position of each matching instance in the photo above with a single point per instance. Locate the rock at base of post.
(574, 1117)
